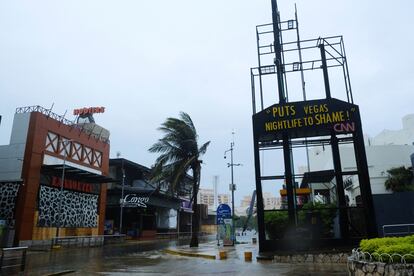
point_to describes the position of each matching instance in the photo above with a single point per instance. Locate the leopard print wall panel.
(77, 209)
(8, 194)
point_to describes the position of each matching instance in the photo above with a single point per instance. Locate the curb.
(63, 272)
(189, 254)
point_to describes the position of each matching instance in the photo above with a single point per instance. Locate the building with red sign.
(35, 205)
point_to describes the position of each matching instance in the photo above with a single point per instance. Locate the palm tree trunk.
(196, 216)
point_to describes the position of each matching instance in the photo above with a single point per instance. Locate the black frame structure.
(287, 125)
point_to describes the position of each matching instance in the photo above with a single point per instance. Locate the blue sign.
(223, 212)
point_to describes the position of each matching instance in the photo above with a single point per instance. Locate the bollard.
(223, 255)
(248, 256)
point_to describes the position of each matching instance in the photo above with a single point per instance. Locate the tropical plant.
(394, 246)
(276, 224)
(399, 180)
(180, 153)
(325, 212)
(242, 221)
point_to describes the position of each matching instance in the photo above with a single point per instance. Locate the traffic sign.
(223, 212)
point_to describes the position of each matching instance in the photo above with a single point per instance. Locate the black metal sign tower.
(319, 122)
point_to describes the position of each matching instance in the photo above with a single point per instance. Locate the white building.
(389, 149)
(271, 202)
(206, 196)
(245, 202)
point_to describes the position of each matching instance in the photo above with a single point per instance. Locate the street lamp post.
(122, 198)
(62, 180)
(232, 186)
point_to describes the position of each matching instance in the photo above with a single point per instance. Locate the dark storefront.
(147, 209)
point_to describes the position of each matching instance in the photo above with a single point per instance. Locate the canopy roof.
(76, 174)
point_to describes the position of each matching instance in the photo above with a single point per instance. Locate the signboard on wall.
(75, 185)
(306, 119)
(134, 200)
(223, 212)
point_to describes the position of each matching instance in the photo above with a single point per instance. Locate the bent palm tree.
(180, 153)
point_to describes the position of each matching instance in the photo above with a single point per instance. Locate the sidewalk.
(210, 250)
(170, 258)
(90, 259)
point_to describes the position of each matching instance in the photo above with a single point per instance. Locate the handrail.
(408, 225)
(90, 236)
(14, 248)
(84, 240)
(22, 258)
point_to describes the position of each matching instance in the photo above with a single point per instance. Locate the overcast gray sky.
(148, 60)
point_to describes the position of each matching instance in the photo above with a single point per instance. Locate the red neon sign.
(72, 185)
(88, 110)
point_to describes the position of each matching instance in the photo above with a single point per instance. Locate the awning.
(317, 177)
(76, 174)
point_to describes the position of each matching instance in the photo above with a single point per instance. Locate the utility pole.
(232, 185)
(122, 195)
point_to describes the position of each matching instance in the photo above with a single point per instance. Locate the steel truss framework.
(325, 53)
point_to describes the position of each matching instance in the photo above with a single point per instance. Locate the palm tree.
(179, 153)
(400, 179)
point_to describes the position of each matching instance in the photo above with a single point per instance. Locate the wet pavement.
(148, 258)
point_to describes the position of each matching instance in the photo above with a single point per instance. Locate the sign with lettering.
(88, 110)
(306, 119)
(74, 185)
(223, 212)
(133, 200)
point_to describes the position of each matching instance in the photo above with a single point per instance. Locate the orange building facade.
(44, 149)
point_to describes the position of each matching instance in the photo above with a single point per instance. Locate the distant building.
(271, 202)
(245, 202)
(206, 196)
(404, 136)
(389, 149)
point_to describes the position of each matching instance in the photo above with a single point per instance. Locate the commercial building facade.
(148, 208)
(36, 205)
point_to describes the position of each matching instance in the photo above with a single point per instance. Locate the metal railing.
(402, 229)
(86, 241)
(61, 119)
(358, 255)
(13, 257)
(177, 235)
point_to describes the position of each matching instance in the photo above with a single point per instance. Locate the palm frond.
(179, 152)
(203, 148)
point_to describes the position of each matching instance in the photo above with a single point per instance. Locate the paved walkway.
(149, 258)
(210, 250)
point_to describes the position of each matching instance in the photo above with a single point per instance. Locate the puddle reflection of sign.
(132, 200)
(228, 232)
(223, 212)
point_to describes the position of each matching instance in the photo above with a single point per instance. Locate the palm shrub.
(399, 180)
(179, 153)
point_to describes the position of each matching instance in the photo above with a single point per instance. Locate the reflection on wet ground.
(147, 258)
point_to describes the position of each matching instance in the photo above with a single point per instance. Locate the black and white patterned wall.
(77, 209)
(8, 194)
